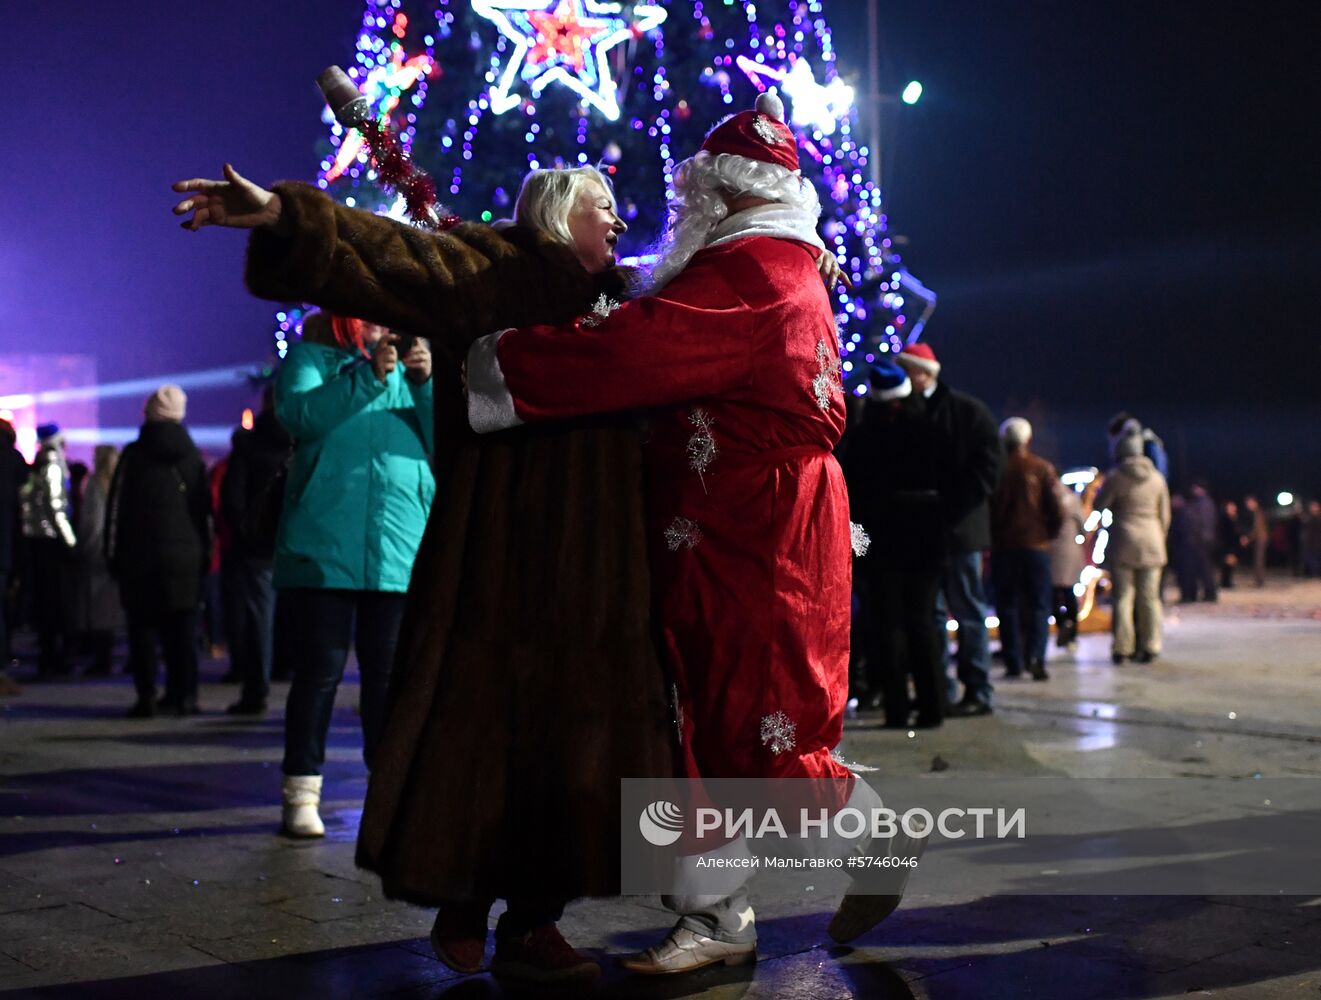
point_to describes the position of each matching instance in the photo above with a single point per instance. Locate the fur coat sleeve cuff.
(292, 267)
(490, 404)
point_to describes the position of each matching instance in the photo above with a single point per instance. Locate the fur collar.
(775, 220)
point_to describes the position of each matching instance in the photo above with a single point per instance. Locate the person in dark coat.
(48, 531)
(895, 466)
(1229, 550)
(1203, 538)
(976, 460)
(13, 473)
(256, 468)
(1255, 535)
(157, 538)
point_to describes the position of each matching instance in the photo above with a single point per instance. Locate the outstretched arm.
(306, 247)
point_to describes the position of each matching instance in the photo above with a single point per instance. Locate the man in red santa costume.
(735, 355)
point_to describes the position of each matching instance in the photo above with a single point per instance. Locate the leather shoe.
(541, 956)
(684, 950)
(1145, 657)
(458, 938)
(968, 708)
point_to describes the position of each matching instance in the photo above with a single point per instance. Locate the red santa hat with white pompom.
(759, 135)
(921, 357)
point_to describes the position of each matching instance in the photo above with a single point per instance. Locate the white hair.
(701, 186)
(547, 197)
(1016, 432)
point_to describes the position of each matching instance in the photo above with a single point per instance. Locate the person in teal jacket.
(356, 501)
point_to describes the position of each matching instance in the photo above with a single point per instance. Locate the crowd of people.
(956, 495)
(682, 590)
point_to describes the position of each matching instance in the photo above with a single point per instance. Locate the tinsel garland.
(396, 170)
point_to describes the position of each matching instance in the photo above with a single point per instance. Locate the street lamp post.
(911, 93)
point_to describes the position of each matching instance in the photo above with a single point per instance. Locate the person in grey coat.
(1067, 560)
(1138, 498)
(98, 613)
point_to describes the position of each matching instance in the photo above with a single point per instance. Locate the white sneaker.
(302, 795)
(684, 950)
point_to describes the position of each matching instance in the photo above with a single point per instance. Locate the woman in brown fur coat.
(527, 682)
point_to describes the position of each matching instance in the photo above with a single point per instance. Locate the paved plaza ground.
(140, 858)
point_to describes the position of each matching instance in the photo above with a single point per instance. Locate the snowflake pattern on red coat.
(601, 308)
(701, 447)
(682, 533)
(777, 733)
(827, 383)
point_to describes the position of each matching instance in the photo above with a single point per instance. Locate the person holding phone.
(357, 498)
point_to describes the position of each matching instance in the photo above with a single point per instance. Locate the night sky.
(1115, 203)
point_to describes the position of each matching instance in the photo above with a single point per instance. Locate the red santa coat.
(738, 360)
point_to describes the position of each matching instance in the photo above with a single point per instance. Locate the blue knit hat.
(888, 381)
(47, 431)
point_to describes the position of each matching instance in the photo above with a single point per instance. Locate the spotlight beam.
(211, 378)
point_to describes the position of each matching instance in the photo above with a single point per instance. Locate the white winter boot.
(302, 794)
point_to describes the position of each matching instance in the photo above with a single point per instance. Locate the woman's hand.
(831, 273)
(417, 362)
(235, 202)
(385, 356)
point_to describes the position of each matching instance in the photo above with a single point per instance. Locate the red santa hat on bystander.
(921, 357)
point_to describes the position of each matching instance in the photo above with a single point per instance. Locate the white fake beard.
(690, 234)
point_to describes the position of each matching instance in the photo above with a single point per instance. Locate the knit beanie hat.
(169, 402)
(888, 381)
(1128, 446)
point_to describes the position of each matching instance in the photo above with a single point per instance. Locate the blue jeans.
(328, 621)
(1022, 600)
(962, 597)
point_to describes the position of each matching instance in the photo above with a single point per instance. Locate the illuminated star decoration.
(564, 41)
(384, 87)
(816, 105)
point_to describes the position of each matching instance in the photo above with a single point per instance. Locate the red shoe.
(542, 956)
(456, 941)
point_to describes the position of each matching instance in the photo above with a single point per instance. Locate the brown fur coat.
(527, 682)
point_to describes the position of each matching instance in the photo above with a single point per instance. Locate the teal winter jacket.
(360, 483)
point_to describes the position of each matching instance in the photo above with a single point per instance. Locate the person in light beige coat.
(1139, 500)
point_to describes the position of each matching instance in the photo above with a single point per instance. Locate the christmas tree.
(483, 90)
